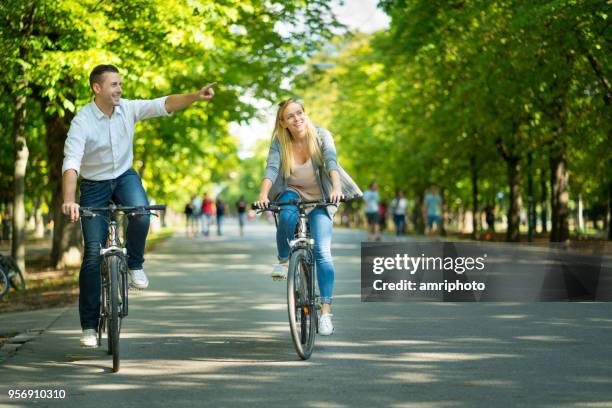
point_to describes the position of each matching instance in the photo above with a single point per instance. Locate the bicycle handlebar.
(90, 211)
(275, 205)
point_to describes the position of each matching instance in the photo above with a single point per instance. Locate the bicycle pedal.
(134, 290)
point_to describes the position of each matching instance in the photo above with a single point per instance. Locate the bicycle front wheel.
(300, 303)
(114, 329)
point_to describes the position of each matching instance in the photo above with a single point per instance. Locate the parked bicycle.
(10, 275)
(303, 301)
(114, 274)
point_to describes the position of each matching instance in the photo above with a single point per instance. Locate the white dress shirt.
(102, 148)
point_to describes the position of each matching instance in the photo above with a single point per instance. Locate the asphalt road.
(212, 330)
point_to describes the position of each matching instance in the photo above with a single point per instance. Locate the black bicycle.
(303, 301)
(10, 275)
(114, 273)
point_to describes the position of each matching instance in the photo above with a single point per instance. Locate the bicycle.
(303, 300)
(114, 274)
(10, 275)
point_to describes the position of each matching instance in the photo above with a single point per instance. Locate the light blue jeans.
(321, 230)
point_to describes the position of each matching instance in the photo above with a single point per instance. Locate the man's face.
(109, 91)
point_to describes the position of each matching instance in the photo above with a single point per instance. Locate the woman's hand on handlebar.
(335, 196)
(262, 202)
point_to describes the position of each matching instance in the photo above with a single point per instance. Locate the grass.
(47, 287)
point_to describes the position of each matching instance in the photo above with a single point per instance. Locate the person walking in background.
(399, 204)
(433, 209)
(382, 215)
(241, 208)
(196, 217)
(220, 215)
(208, 211)
(371, 199)
(188, 215)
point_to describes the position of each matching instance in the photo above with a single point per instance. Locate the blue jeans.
(321, 230)
(124, 190)
(400, 223)
(219, 224)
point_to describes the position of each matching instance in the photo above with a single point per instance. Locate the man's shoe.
(89, 338)
(279, 271)
(326, 328)
(138, 279)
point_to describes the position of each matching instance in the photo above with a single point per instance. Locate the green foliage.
(161, 48)
(452, 85)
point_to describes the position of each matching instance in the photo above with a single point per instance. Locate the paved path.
(212, 330)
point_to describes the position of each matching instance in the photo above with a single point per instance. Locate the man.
(99, 148)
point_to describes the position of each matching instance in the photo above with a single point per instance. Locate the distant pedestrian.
(188, 211)
(433, 209)
(241, 208)
(220, 215)
(196, 217)
(371, 199)
(382, 215)
(208, 210)
(398, 207)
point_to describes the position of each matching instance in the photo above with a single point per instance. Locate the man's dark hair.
(99, 71)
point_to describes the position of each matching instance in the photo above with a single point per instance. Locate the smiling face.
(294, 119)
(108, 90)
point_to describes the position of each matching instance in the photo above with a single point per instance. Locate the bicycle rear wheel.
(114, 326)
(4, 283)
(300, 303)
(13, 273)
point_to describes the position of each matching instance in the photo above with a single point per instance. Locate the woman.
(302, 163)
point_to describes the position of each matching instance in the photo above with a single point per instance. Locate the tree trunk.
(514, 182)
(514, 207)
(21, 162)
(544, 201)
(559, 195)
(475, 203)
(26, 24)
(66, 241)
(443, 212)
(609, 215)
(580, 215)
(39, 223)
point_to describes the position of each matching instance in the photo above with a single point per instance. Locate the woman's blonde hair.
(285, 139)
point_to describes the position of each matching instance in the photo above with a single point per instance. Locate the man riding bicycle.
(99, 148)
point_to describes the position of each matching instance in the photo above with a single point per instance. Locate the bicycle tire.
(104, 304)
(114, 263)
(13, 273)
(300, 305)
(4, 283)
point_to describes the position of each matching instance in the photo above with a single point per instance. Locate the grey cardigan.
(330, 162)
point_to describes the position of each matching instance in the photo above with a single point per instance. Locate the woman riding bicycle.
(302, 164)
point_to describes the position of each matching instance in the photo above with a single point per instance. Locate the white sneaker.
(138, 279)
(326, 328)
(89, 338)
(279, 271)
